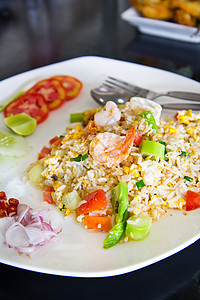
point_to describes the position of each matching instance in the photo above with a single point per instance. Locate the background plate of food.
(79, 251)
(175, 19)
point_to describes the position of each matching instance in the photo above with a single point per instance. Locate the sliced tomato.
(71, 84)
(56, 141)
(100, 223)
(47, 194)
(192, 200)
(32, 104)
(44, 152)
(138, 138)
(94, 201)
(52, 90)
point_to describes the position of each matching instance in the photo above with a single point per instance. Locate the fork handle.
(184, 95)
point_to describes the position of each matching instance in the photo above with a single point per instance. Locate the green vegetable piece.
(71, 200)
(81, 157)
(12, 144)
(120, 195)
(116, 233)
(21, 124)
(2, 106)
(84, 157)
(162, 142)
(34, 174)
(140, 184)
(149, 117)
(138, 227)
(78, 158)
(153, 149)
(183, 153)
(76, 117)
(190, 179)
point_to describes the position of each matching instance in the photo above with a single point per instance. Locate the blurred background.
(35, 33)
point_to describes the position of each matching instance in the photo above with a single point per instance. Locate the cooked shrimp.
(108, 116)
(140, 104)
(110, 149)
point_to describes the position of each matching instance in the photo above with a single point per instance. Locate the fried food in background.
(182, 17)
(153, 9)
(186, 12)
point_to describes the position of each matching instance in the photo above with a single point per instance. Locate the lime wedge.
(21, 124)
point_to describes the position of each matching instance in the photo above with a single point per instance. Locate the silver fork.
(120, 92)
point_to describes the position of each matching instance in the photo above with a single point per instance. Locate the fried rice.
(165, 180)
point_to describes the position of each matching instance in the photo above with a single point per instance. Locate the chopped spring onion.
(76, 117)
(140, 184)
(183, 153)
(153, 149)
(78, 158)
(149, 117)
(190, 179)
(81, 157)
(164, 144)
(84, 157)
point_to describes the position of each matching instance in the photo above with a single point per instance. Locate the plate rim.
(116, 271)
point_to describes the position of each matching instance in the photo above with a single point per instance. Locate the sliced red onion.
(5, 223)
(16, 236)
(27, 229)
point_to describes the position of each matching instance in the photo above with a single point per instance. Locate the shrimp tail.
(121, 155)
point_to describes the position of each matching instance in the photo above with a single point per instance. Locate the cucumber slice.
(138, 227)
(13, 145)
(21, 124)
(71, 200)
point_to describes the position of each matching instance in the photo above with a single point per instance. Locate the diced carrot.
(100, 223)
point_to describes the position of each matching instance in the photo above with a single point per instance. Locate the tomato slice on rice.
(33, 105)
(47, 194)
(94, 201)
(52, 90)
(71, 85)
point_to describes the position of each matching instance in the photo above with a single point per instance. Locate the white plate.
(160, 28)
(80, 253)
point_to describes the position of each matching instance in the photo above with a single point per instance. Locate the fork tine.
(108, 85)
(124, 84)
(114, 83)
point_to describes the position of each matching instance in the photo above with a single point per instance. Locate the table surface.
(36, 33)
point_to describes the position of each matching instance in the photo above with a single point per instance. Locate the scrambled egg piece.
(74, 134)
(170, 129)
(52, 159)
